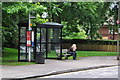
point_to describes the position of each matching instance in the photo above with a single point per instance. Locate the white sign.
(44, 15)
(32, 36)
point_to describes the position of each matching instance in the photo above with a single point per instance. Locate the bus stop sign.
(28, 38)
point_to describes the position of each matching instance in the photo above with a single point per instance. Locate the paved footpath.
(57, 66)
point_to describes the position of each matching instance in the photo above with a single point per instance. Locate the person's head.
(74, 45)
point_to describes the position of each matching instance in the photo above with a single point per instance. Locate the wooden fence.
(92, 47)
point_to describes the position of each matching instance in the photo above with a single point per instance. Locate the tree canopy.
(88, 17)
(80, 19)
(12, 14)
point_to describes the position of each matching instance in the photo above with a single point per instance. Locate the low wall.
(91, 45)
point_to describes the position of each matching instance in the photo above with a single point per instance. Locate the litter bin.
(39, 58)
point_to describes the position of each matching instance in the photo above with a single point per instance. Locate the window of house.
(105, 38)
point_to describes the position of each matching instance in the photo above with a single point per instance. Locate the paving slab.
(52, 66)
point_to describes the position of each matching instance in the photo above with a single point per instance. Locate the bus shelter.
(44, 39)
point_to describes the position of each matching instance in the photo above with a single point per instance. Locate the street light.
(29, 38)
(118, 48)
(31, 16)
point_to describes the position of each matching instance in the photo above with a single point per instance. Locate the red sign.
(118, 21)
(28, 38)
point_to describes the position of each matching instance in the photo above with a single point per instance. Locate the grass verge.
(10, 56)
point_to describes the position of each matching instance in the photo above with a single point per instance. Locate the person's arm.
(70, 49)
(74, 48)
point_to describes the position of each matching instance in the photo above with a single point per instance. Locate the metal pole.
(29, 52)
(118, 41)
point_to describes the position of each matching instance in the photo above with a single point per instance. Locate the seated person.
(72, 50)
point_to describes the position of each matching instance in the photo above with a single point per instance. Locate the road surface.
(109, 72)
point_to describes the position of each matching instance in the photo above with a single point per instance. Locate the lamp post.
(118, 40)
(30, 39)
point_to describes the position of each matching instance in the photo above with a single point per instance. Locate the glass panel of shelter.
(23, 48)
(53, 35)
(38, 40)
(23, 35)
(56, 35)
(23, 52)
(48, 39)
(53, 42)
(41, 39)
(51, 49)
(43, 35)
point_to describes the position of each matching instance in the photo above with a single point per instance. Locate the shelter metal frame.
(45, 26)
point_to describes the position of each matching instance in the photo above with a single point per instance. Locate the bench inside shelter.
(64, 53)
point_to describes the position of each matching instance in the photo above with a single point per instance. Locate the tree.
(79, 18)
(89, 15)
(12, 14)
